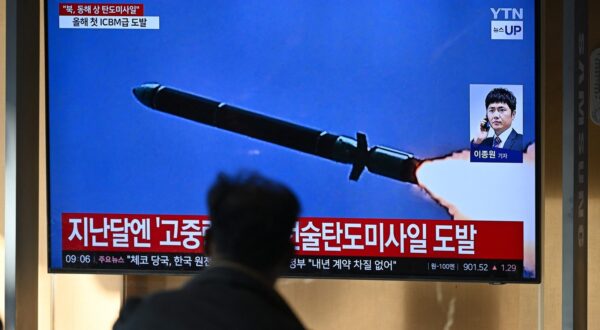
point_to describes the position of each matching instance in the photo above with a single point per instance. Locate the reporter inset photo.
(496, 119)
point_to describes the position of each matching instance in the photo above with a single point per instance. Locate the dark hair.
(252, 219)
(501, 95)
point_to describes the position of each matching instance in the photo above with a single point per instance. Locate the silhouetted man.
(249, 244)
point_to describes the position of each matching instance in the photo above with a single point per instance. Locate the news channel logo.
(507, 23)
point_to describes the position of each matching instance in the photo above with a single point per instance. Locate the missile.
(388, 162)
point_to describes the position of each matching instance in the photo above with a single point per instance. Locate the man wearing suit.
(249, 244)
(501, 110)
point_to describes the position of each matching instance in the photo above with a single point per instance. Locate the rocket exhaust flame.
(474, 191)
(468, 190)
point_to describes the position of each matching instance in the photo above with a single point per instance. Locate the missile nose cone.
(145, 93)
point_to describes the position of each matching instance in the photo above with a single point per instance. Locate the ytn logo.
(507, 23)
(507, 13)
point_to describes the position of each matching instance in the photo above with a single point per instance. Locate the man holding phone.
(501, 110)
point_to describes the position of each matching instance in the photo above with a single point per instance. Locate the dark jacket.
(513, 142)
(217, 298)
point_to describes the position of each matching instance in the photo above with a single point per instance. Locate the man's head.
(500, 107)
(251, 221)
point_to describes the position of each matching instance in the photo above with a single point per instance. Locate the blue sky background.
(398, 71)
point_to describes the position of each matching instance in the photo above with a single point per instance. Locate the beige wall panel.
(351, 304)
(357, 304)
(551, 288)
(140, 285)
(594, 189)
(551, 101)
(88, 302)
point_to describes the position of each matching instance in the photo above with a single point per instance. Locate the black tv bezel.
(538, 192)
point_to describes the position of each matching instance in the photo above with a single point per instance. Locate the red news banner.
(97, 9)
(390, 238)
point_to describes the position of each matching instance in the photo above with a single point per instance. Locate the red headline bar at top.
(349, 237)
(100, 9)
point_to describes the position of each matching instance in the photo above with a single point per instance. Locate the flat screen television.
(408, 129)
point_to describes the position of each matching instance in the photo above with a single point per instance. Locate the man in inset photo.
(501, 109)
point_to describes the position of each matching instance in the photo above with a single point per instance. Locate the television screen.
(407, 129)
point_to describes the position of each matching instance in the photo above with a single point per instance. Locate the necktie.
(497, 142)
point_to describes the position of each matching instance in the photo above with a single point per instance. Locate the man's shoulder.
(152, 312)
(516, 134)
(171, 309)
(213, 296)
(514, 141)
(174, 309)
